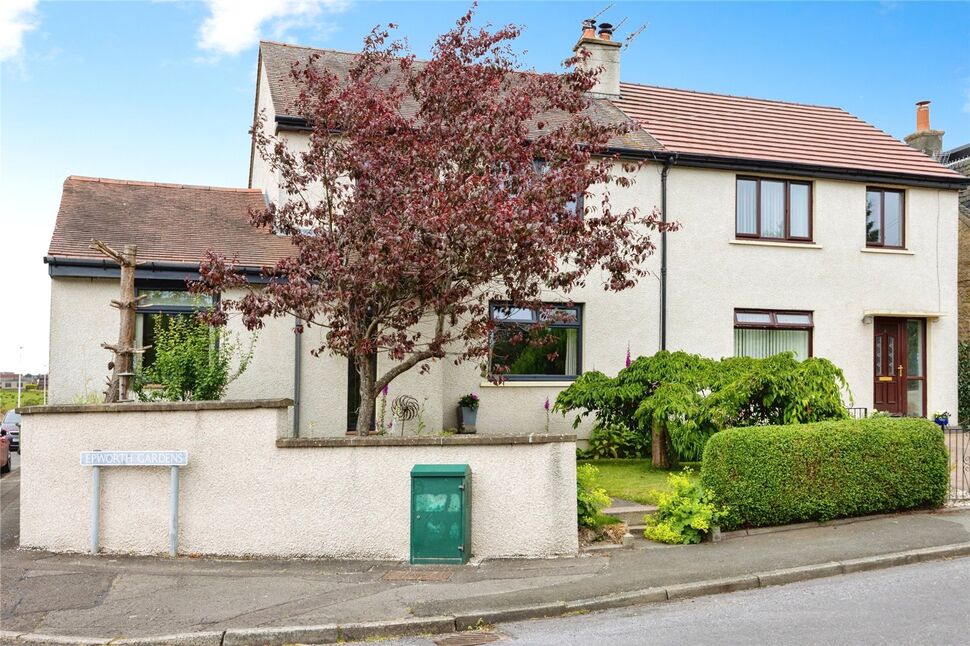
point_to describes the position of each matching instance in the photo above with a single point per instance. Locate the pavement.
(219, 601)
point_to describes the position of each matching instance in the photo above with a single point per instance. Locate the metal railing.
(958, 446)
(860, 412)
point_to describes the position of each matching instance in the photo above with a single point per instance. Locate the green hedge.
(774, 475)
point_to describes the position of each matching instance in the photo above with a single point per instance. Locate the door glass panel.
(914, 348)
(798, 208)
(873, 216)
(893, 235)
(890, 355)
(747, 207)
(914, 398)
(772, 209)
(880, 339)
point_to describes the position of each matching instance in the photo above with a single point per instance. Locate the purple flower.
(546, 405)
(628, 359)
(385, 389)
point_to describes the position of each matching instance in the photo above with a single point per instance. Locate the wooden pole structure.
(123, 365)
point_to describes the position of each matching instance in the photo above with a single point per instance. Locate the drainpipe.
(297, 361)
(663, 251)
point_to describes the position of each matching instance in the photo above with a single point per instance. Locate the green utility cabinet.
(441, 513)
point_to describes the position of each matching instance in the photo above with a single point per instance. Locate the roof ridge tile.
(133, 182)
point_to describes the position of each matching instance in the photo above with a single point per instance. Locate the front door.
(899, 351)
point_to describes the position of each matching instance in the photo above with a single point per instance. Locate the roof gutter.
(696, 160)
(59, 266)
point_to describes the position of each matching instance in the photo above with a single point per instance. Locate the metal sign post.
(98, 459)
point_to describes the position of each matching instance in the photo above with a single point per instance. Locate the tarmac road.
(926, 604)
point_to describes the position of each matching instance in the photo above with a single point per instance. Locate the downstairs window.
(762, 333)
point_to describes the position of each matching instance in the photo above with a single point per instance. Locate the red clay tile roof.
(689, 122)
(727, 126)
(169, 222)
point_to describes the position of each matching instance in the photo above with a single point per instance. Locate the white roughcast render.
(242, 495)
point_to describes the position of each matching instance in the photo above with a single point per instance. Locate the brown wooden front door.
(899, 361)
(888, 360)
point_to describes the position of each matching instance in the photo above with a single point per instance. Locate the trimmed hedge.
(774, 475)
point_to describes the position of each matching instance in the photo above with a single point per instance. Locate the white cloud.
(16, 18)
(236, 25)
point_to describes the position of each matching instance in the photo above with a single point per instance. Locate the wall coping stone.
(155, 407)
(421, 440)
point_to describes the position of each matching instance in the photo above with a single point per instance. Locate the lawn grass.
(633, 480)
(8, 399)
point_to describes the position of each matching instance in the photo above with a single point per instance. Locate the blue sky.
(163, 91)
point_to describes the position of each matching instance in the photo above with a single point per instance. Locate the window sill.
(766, 243)
(897, 252)
(526, 383)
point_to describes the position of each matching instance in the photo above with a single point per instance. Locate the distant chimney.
(925, 139)
(605, 54)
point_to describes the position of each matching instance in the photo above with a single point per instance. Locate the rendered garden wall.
(248, 490)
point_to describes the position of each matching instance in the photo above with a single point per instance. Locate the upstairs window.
(774, 209)
(762, 333)
(537, 344)
(885, 220)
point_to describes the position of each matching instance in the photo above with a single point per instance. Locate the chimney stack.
(605, 54)
(925, 139)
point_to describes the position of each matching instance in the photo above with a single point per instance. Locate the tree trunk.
(658, 447)
(124, 361)
(365, 415)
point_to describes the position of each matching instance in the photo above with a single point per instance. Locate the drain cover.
(474, 638)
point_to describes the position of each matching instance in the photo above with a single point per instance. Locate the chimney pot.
(922, 116)
(925, 139)
(589, 28)
(606, 31)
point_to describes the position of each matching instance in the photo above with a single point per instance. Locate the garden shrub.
(615, 441)
(193, 361)
(590, 498)
(964, 387)
(682, 399)
(685, 514)
(774, 475)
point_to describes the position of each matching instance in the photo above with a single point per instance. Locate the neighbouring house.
(8, 380)
(959, 160)
(804, 229)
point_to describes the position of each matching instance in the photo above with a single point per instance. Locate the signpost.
(98, 459)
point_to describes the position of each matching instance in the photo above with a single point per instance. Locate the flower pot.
(942, 421)
(466, 419)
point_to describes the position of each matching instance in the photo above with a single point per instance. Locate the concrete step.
(630, 513)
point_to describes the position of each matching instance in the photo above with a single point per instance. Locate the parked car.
(4, 452)
(11, 424)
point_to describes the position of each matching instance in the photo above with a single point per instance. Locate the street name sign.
(134, 458)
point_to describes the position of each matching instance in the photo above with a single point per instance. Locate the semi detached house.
(804, 229)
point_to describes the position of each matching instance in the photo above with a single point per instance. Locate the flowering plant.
(941, 414)
(469, 401)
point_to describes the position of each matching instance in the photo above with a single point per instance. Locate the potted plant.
(467, 413)
(942, 418)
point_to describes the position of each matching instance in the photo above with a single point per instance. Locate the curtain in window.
(772, 209)
(571, 352)
(747, 207)
(798, 208)
(764, 343)
(893, 219)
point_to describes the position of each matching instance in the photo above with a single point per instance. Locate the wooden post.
(123, 366)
